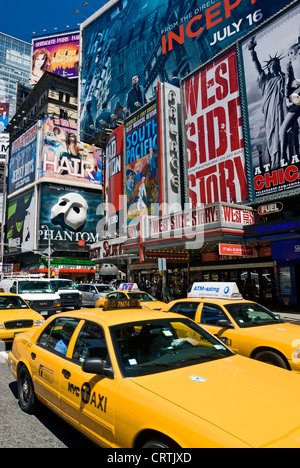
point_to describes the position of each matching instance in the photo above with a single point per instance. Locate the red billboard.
(214, 137)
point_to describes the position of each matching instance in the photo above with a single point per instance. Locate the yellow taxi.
(133, 378)
(245, 326)
(16, 316)
(130, 291)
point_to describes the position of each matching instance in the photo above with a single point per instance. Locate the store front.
(283, 237)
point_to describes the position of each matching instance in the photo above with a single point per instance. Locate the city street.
(46, 430)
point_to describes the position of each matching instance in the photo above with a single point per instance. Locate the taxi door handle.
(33, 356)
(66, 373)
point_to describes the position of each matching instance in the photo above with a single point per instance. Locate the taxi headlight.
(1, 326)
(38, 323)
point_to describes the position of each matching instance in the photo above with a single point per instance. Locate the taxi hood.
(282, 332)
(253, 401)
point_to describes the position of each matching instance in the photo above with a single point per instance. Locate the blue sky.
(20, 18)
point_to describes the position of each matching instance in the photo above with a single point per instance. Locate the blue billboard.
(131, 45)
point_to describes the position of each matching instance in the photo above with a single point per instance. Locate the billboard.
(4, 147)
(129, 46)
(214, 137)
(4, 113)
(71, 215)
(63, 157)
(57, 54)
(20, 231)
(23, 160)
(271, 60)
(142, 164)
(114, 180)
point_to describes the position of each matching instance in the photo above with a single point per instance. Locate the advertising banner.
(63, 157)
(169, 122)
(4, 147)
(130, 46)
(4, 113)
(57, 54)
(23, 161)
(114, 180)
(272, 74)
(71, 215)
(20, 232)
(214, 137)
(142, 168)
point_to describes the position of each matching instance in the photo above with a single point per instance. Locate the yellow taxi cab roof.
(118, 316)
(213, 300)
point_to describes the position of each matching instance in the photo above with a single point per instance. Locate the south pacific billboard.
(271, 59)
(71, 214)
(57, 54)
(130, 46)
(64, 158)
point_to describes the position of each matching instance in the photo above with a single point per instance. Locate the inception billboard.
(128, 47)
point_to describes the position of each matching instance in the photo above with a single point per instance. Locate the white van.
(39, 293)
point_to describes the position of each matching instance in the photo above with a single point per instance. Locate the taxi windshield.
(251, 314)
(142, 296)
(12, 302)
(35, 286)
(158, 345)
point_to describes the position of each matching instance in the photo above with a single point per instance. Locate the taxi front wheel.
(27, 398)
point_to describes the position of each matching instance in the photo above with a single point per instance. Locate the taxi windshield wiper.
(157, 364)
(204, 356)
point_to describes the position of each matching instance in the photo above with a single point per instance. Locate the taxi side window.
(188, 309)
(90, 343)
(57, 335)
(211, 314)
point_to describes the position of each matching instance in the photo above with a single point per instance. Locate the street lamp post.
(44, 226)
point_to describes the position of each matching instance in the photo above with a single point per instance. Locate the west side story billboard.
(214, 135)
(129, 46)
(271, 58)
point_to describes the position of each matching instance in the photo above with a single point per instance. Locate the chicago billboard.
(64, 158)
(71, 214)
(214, 137)
(271, 60)
(57, 54)
(128, 47)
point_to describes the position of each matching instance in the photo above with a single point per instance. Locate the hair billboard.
(130, 46)
(214, 137)
(272, 75)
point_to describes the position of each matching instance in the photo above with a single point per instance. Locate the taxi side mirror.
(224, 324)
(97, 366)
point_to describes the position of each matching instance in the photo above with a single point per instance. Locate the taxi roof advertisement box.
(216, 290)
(152, 40)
